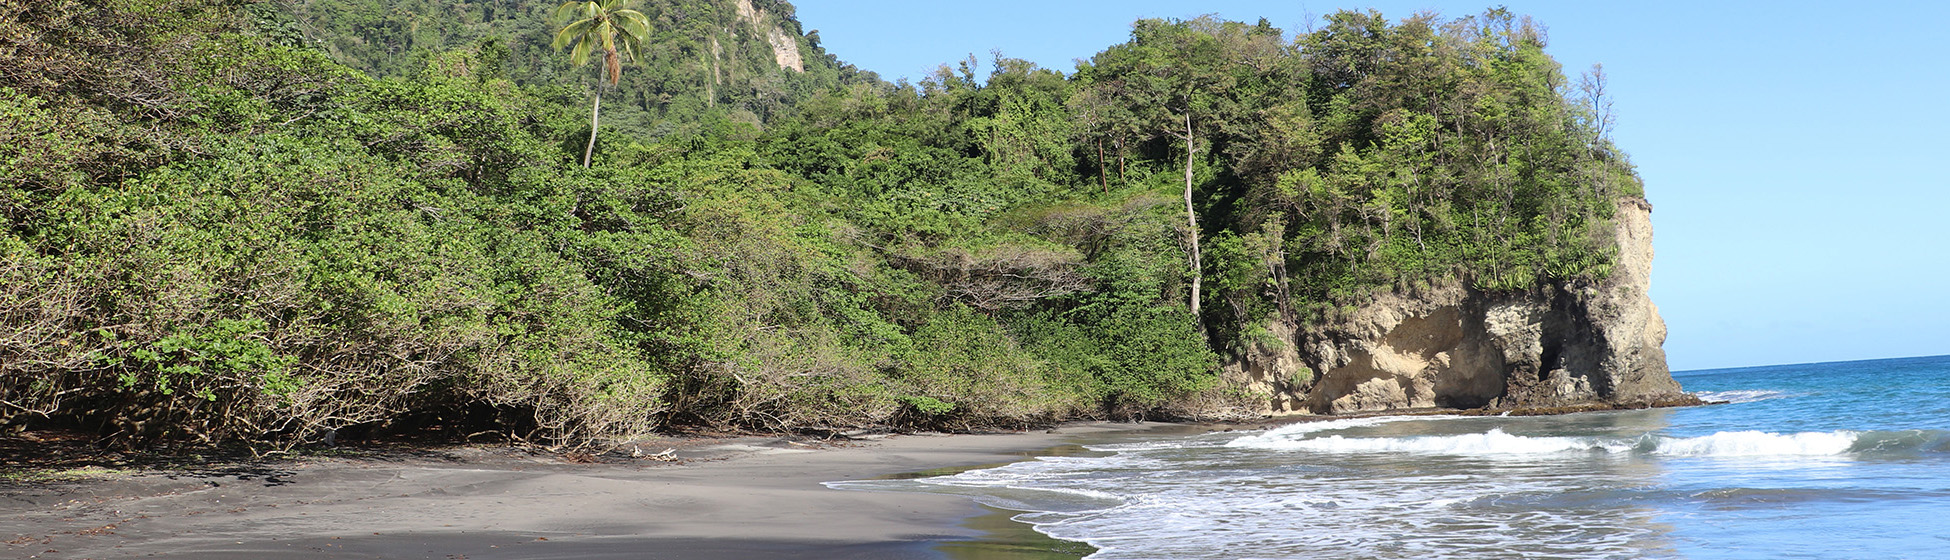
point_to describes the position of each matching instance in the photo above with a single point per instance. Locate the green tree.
(606, 25)
(1182, 80)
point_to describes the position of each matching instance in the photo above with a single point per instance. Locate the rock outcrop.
(1566, 345)
(785, 47)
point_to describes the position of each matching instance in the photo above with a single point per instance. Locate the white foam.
(1014, 483)
(1759, 444)
(1145, 445)
(1739, 397)
(1216, 516)
(1496, 442)
(1293, 431)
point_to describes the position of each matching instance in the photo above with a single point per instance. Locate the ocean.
(1836, 460)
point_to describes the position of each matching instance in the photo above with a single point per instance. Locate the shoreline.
(745, 497)
(702, 498)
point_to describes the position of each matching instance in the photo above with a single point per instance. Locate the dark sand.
(727, 498)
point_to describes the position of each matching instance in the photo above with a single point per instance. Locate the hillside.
(227, 225)
(742, 60)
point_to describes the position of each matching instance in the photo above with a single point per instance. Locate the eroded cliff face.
(785, 48)
(1564, 345)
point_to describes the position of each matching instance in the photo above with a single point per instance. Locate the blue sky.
(1795, 152)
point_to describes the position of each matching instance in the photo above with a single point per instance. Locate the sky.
(1794, 152)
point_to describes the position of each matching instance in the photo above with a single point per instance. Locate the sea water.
(1839, 460)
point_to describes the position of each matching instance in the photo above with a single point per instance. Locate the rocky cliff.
(785, 45)
(1565, 345)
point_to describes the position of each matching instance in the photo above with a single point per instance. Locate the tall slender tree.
(1177, 80)
(607, 26)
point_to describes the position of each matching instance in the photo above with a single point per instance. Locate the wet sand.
(725, 498)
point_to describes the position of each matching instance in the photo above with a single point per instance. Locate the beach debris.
(668, 455)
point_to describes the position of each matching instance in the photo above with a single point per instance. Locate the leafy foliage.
(701, 60)
(235, 222)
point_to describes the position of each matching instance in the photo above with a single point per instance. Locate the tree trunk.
(595, 116)
(1191, 220)
(1121, 179)
(1280, 279)
(1103, 171)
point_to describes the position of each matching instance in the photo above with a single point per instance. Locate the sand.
(725, 498)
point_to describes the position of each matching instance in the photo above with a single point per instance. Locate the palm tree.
(608, 26)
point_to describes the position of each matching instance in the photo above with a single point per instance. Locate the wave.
(1900, 442)
(1497, 443)
(1773, 498)
(1757, 444)
(1740, 397)
(1271, 438)
(1004, 492)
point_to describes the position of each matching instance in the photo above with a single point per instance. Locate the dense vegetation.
(230, 220)
(702, 62)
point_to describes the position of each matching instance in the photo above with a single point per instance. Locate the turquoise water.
(1841, 460)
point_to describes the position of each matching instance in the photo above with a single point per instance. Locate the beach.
(747, 497)
(1810, 461)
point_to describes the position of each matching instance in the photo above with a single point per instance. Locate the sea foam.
(1740, 397)
(1274, 438)
(1496, 443)
(1759, 444)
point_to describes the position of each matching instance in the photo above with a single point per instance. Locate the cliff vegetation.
(229, 220)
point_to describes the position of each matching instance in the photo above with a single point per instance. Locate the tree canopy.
(227, 222)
